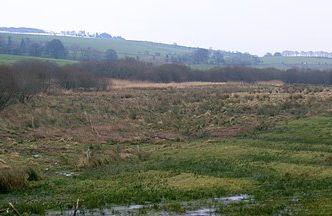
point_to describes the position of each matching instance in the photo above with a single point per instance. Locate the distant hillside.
(284, 62)
(81, 48)
(157, 53)
(137, 49)
(22, 30)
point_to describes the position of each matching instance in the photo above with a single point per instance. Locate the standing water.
(148, 209)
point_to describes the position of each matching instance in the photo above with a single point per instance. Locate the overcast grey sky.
(255, 26)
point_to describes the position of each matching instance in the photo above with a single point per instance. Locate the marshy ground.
(172, 147)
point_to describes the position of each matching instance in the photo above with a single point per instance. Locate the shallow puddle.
(232, 199)
(148, 209)
(202, 212)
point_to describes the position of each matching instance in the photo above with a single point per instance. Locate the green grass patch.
(10, 59)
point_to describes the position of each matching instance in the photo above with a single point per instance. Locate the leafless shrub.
(8, 88)
(77, 77)
(32, 77)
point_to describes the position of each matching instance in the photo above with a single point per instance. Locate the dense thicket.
(22, 80)
(136, 70)
(7, 86)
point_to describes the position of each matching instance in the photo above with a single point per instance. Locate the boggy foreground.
(172, 148)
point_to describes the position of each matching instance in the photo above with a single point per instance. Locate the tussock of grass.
(17, 178)
(94, 159)
(11, 179)
(33, 174)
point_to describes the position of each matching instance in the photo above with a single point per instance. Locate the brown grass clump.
(89, 159)
(92, 159)
(11, 179)
(17, 178)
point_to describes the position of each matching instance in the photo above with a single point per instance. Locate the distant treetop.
(104, 36)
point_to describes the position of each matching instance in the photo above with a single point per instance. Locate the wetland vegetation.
(172, 148)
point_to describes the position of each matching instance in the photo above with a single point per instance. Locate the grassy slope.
(173, 145)
(146, 50)
(287, 62)
(122, 47)
(10, 59)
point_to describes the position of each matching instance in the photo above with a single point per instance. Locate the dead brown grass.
(128, 84)
(272, 82)
(124, 84)
(226, 132)
(12, 179)
(94, 158)
(50, 127)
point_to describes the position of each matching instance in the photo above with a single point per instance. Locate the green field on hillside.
(10, 59)
(157, 52)
(302, 62)
(124, 48)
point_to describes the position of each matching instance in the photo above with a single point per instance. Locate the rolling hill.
(142, 49)
(157, 52)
